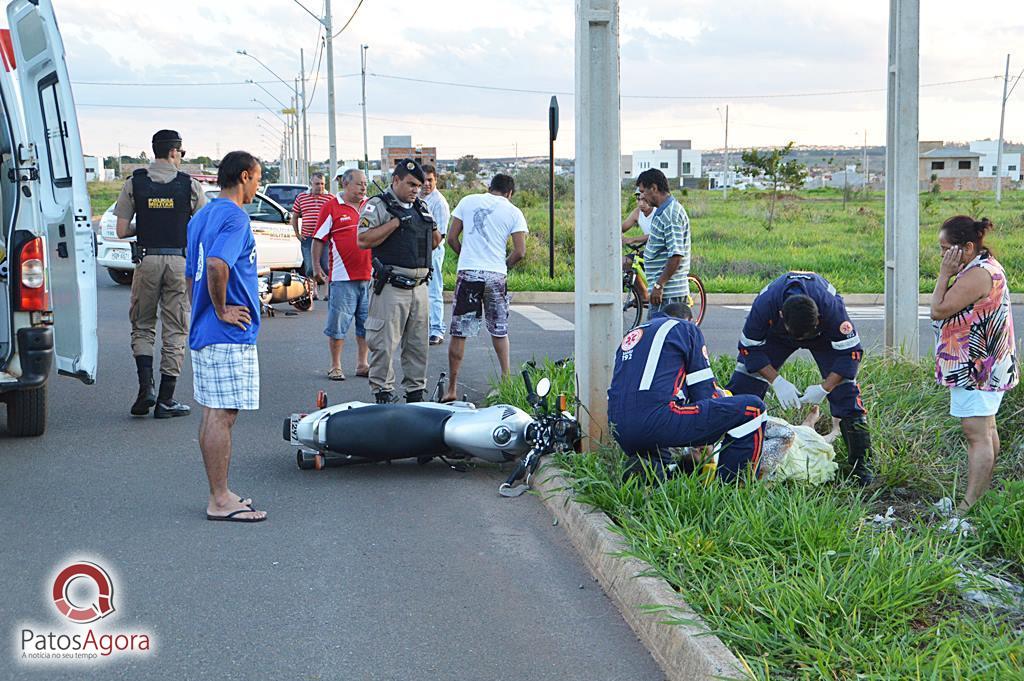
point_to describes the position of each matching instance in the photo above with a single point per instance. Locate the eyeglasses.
(181, 151)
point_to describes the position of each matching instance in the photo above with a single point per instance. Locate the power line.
(192, 84)
(826, 93)
(349, 19)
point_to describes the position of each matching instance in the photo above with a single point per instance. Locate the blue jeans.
(435, 289)
(307, 258)
(348, 300)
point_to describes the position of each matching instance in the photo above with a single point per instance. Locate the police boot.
(414, 396)
(147, 391)
(166, 407)
(858, 447)
(384, 397)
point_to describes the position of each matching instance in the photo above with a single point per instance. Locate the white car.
(47, 264)
(276, 245)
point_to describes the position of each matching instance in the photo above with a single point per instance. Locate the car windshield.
(284, 195)
(259, 209)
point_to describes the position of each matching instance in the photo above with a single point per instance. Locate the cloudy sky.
(716, 53)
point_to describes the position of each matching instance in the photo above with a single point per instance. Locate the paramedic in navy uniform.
(803, 310)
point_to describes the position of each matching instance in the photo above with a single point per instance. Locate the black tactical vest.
(412, 244)
(162, 211)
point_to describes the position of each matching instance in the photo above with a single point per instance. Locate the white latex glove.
(789, 396)
(814, 394)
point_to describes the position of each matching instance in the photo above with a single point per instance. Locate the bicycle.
(635, 295)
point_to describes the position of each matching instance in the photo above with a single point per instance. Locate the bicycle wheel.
(632, 309)
(698, 298)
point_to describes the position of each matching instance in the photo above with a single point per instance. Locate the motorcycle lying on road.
(285, 287)
(357, 432)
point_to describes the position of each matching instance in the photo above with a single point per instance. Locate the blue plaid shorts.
(226, 376)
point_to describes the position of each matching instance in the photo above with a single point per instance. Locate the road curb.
(684, 651)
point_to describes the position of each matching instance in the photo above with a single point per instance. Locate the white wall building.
(989, 153)
(674, 158)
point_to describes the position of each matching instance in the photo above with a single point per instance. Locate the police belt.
(406, 283)
(163, 251)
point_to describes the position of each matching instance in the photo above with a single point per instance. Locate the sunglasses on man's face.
(181, 151)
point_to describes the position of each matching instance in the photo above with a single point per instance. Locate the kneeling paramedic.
(398, 228)
(803, 310)
(663, 395)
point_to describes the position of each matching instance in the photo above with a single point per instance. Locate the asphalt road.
(376, 572)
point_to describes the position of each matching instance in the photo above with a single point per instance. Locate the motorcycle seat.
(387, 431)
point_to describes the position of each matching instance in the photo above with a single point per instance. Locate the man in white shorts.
(221, 269)
(481, 288)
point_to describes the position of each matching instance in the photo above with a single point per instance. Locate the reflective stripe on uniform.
(748, 427)
(846, 344)
(740, 368)
(750, 343)
(698, 376)
(652, 359)
(831, 289)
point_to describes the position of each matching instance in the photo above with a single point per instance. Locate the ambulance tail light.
(33, 295)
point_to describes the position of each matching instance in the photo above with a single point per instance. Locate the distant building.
(397, 147)
(371, 174)
(952, 169)
(990, 153)
(675, 158)
(626, 167)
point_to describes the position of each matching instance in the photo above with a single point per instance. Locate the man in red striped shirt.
(307, 208)
(348, 273)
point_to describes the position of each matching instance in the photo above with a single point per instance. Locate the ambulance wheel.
(306, 460)
(303, 304)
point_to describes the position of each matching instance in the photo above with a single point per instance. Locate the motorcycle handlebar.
(530, 395)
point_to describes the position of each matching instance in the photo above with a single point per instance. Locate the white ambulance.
(47, 257)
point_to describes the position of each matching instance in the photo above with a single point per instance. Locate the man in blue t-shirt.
(221, 271)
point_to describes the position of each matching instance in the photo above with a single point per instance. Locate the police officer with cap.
(398, 228)
(162, 200)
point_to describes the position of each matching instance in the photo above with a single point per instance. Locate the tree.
(468, 164)
(781, 173)
(535, 179)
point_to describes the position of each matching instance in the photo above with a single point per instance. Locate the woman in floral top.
(975, 351)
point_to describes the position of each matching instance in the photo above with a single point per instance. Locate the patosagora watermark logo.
(82, 594)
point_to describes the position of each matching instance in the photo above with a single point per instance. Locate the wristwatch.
(658, 286)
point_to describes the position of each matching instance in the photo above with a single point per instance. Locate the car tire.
(26, 412)
(122, 277)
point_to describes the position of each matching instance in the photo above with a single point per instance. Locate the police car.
(47, 264)
(276, 245)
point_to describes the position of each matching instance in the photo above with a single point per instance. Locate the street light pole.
(366, 146)
(999, 145)
(305, 125)
(332, 140)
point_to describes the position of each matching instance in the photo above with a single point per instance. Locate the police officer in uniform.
(398, 228)
(162, 200)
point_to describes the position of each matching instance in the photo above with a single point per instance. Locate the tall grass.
(796, 580)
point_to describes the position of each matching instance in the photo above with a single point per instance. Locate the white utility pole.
(598, 209)
(366, 144)
(305, 125)
(902, 220)
(865, 164)
(725, 181)
(999, 145)
(332, 140)
(303, 166)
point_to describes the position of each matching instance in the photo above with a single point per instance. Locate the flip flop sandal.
(336, 375)
(233, 516)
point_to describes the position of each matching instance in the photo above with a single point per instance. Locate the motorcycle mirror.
(543, 387)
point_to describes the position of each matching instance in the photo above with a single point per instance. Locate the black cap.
(166, 136)
(407, 166)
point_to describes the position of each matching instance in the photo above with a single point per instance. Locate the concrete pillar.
(902, 248)
(598, 208)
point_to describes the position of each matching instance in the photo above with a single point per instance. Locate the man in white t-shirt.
(481, 289)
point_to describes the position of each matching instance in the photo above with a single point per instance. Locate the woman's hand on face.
(950, 262)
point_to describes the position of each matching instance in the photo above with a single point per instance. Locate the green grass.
(102, 194)
(733, 253)
(791, 577)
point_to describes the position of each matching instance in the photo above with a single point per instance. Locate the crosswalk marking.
(548, 321)
(863, 312)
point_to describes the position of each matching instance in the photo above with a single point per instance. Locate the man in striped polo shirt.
(667, 254)
(307, 208)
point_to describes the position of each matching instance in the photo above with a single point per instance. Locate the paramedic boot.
(147, 391)
(858, 447)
